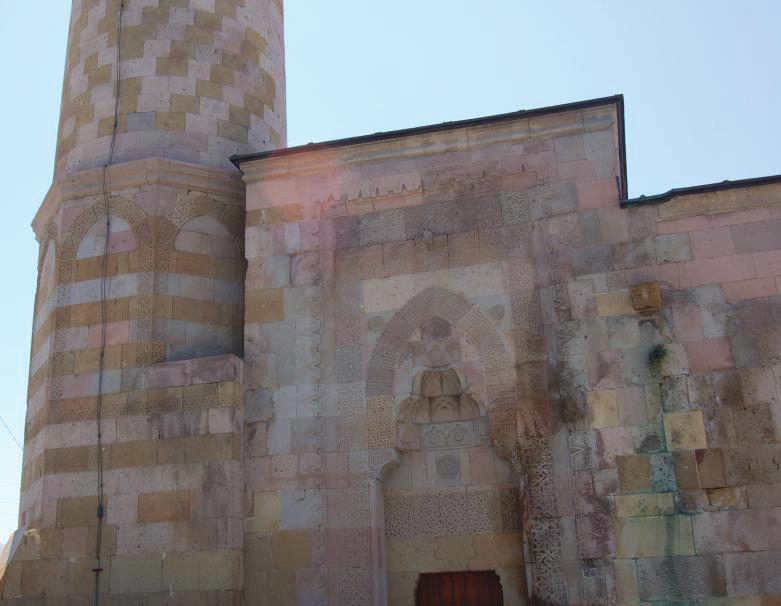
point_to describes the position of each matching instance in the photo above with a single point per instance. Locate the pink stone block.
(613, 442)
(715, 271)
(121, 241)
(719, 532)
(709, 243)
(687, 323)
(604, 369)
(735, 292)
(79, 385)
(595, 536)
(601, 193)
(76, 338)
(673, 226)
(217, 369)
(667, 274)
(759, 236)
(768, 263)
(709, 355)
(336, 470)
(168, 375)
(614, 223)
(116, 333)
(577, 170)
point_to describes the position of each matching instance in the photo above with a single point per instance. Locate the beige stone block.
(627, 591)
(685, 430)
(134, 454)
(497, 551)
(169, 506)
(266, 513)
(219, 570)
(603, 408)
(401, 588)
(654, 536)
(212, 90)
(615, 303)
(654, 504)
(514, 586)
(77, 511)
(185, 104)
(412, 554)
(180, 572)
(265, 306)
(291, 550)
(11, 580)
(43, 578)
(454, 552)
(136, 574)
(170, 121)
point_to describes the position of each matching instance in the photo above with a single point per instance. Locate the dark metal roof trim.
(699, 189)
(617, 100)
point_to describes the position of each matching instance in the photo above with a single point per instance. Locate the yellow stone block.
(267, 513)
(169, 506)
(654, 536)
(685, 430)
(603, 408)
(627, 591)
(616, 303)
(291, 550)
(653, 504)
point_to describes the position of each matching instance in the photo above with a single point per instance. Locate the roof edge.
(699, 189)
(617, 100)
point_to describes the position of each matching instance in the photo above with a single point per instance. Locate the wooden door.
(459, 589)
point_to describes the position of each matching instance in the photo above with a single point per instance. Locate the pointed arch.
(467, 319)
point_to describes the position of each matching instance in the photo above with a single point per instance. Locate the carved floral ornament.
(439, 396)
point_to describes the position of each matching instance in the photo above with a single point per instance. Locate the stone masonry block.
(646, 297)
(634, 473)
(753, 573)
(685, 430)
(603, 408)
(681, 578)
(615, 303)
(291, 550)
(136, 574)
(169, 506)
(77, 511)
(653, 504)
(266, 513)
(654, 536)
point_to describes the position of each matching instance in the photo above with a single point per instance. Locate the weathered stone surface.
(423, 353)
(681, 578)
(654, 536)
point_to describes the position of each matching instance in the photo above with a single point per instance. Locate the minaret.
(132, 487)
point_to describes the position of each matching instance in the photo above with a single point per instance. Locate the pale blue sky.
(701, 80)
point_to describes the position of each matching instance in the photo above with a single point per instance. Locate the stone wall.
(460, 352)
(500, 251)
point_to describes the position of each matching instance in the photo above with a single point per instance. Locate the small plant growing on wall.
(657, 356)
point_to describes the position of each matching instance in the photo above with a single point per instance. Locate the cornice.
(322, 158)
(136, 173)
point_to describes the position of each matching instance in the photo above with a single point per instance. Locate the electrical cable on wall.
(98, 568)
